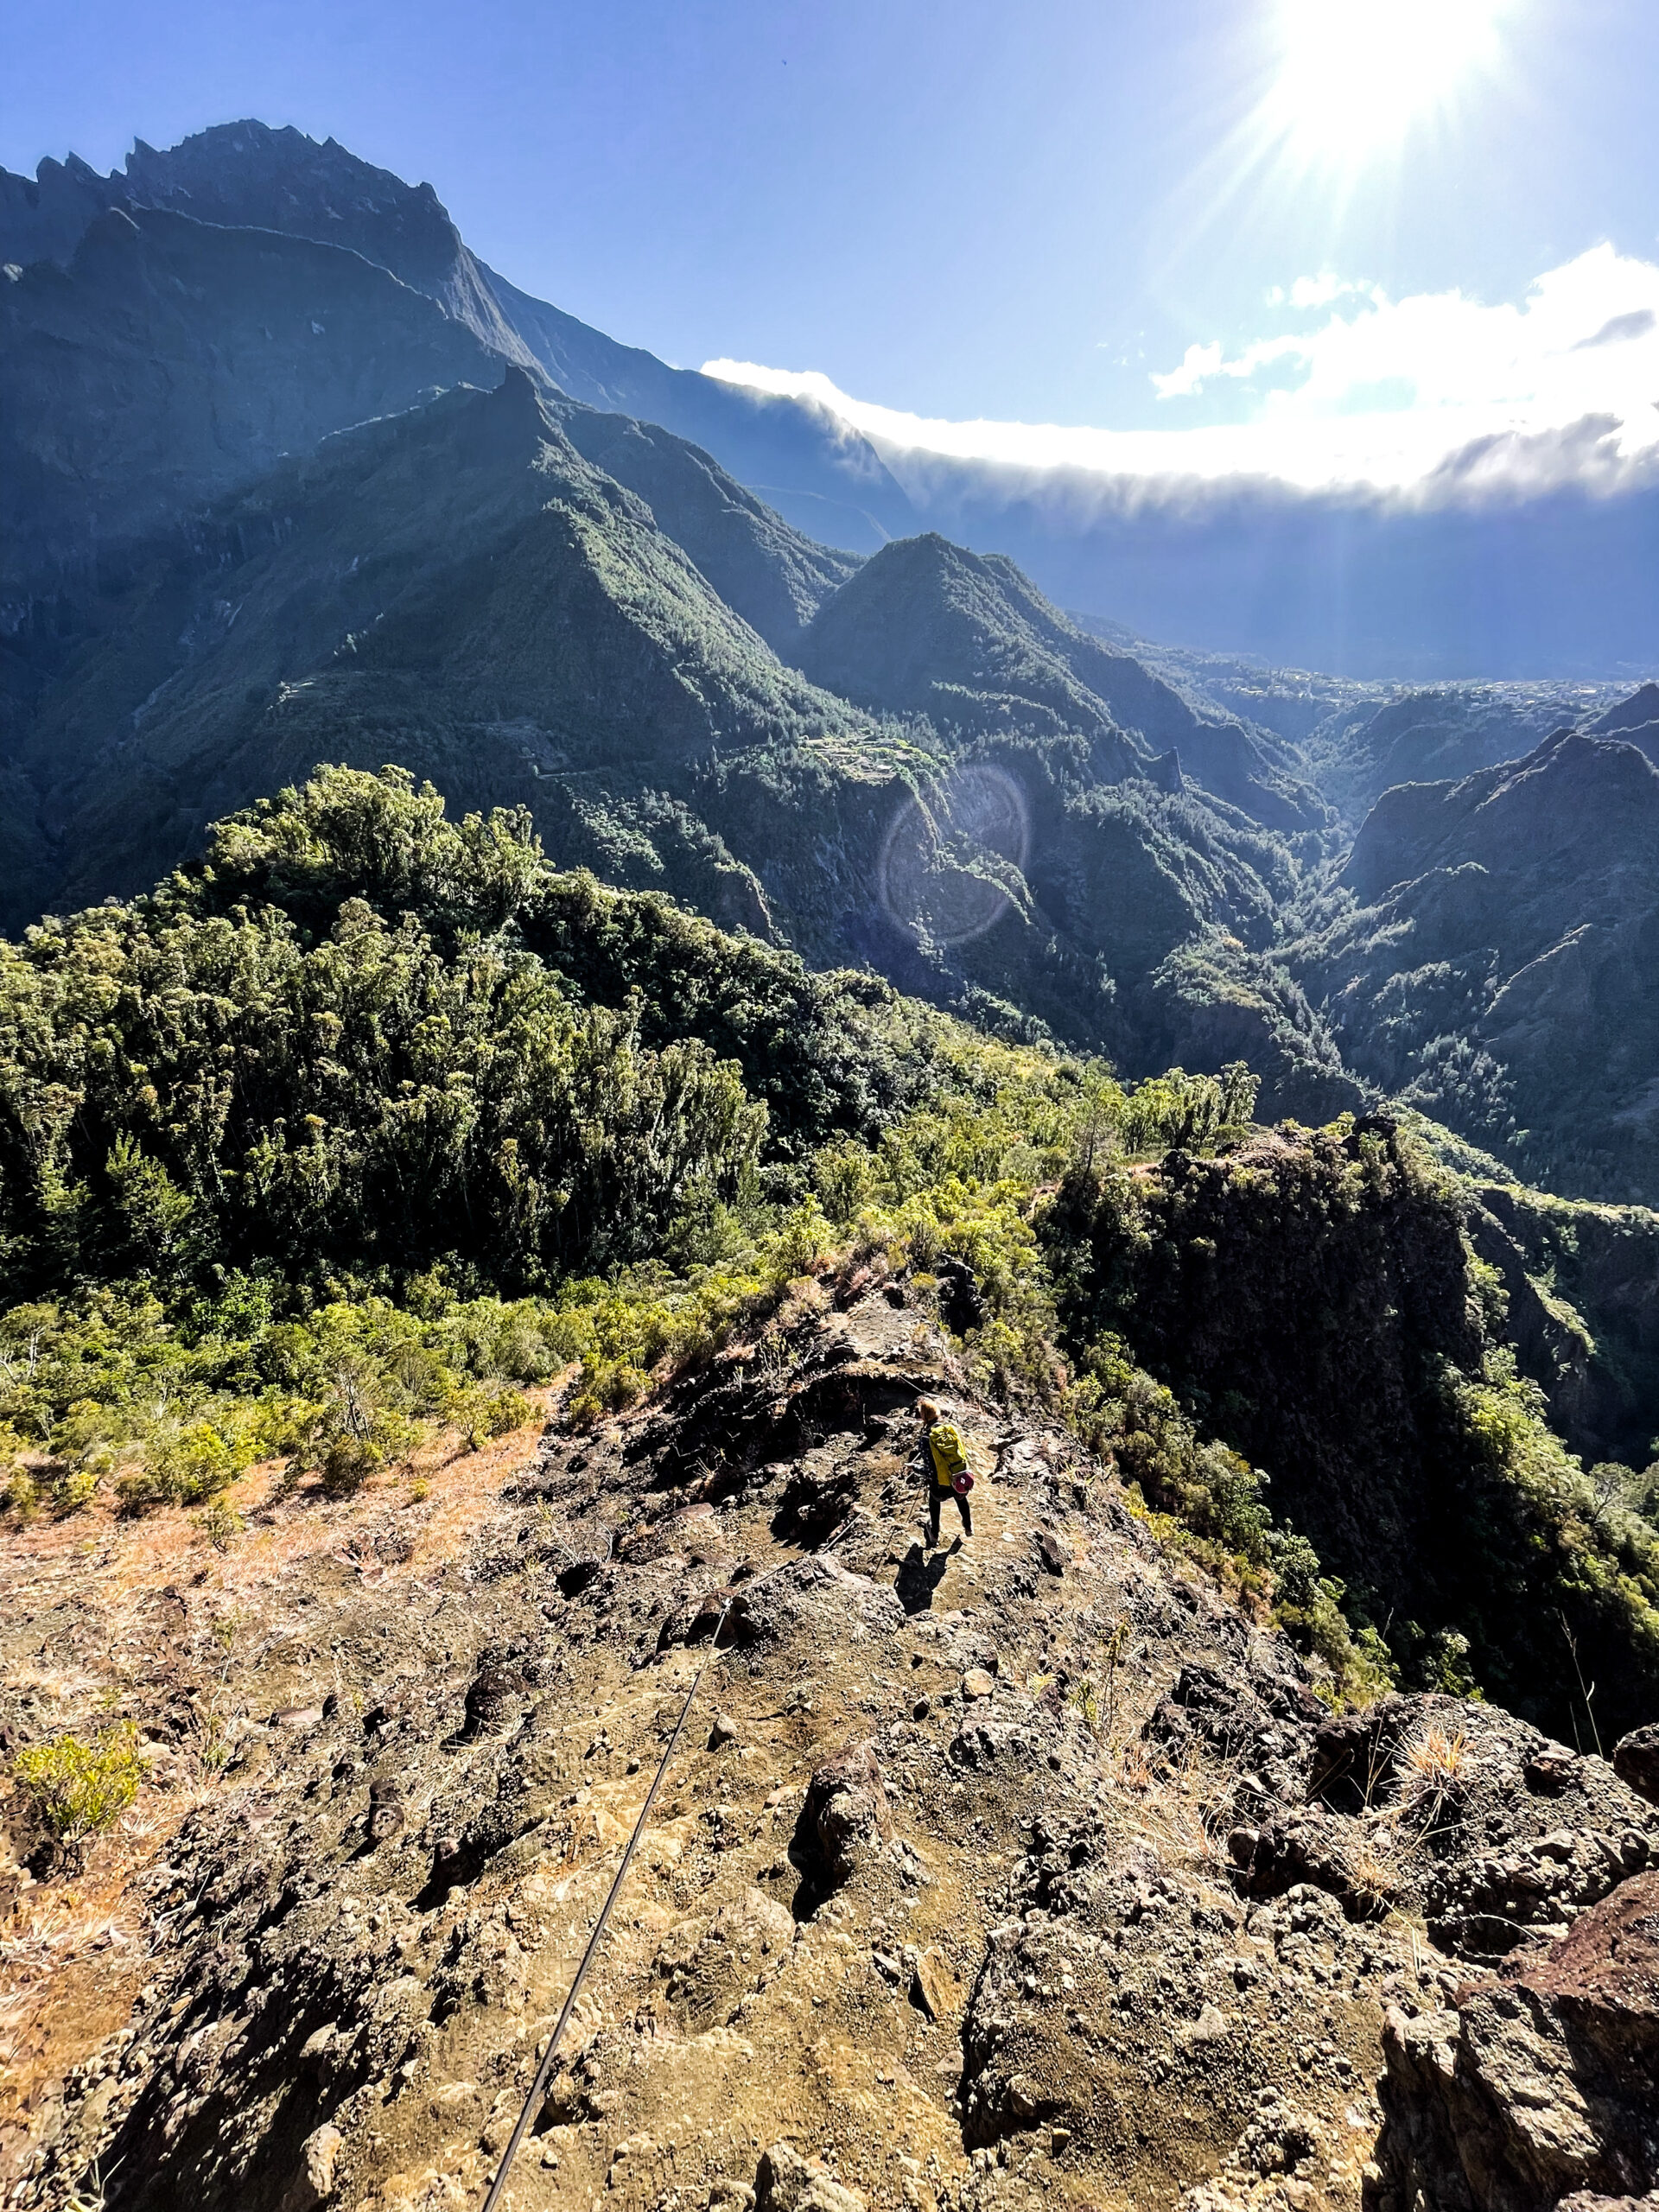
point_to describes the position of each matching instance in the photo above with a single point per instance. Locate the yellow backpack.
(944, 1440)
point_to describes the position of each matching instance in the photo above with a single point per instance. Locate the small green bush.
(81, 1788)
(220, 1525)
(489, 1411)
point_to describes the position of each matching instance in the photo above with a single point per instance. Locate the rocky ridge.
(1032, 1868)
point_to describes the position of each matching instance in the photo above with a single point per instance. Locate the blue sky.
(1048, 214)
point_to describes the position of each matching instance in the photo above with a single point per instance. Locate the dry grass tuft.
(1434, 1768)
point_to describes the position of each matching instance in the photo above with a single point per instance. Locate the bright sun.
(1356, 74)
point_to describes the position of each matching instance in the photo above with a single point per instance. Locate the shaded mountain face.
(1498, 965)
(1425, 737)
(1329, 580)
(822, 476)
(928, 628)
(1636, 719)
(172, 360)
(245, 177)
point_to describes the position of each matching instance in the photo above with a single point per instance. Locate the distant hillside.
(927, 627)
(1495, 963)
(1342, 580)
(1419, 737)
(1636, 719)
(455, 586)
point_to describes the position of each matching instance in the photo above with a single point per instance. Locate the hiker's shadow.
(918, 1577)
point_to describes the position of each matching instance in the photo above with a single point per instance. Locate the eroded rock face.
(847, 1815)
(1115, 1984)
(1455, 1810)
(708, 1966)
(1540, 2083)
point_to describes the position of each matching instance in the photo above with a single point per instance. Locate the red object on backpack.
(961, 1483)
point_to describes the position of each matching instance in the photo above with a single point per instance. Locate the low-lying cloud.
(1435, 397)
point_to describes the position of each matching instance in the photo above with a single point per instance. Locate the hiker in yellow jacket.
(943, 1457)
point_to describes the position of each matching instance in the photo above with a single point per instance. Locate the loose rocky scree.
(1026, 1870)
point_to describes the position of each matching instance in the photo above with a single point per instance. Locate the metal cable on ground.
(539, 2084)
(538, 2087)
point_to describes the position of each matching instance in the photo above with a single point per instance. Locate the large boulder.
(847, 1815)
(786, 2182)
(1542, 2082)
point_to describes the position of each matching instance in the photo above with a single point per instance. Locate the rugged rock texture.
(1002, 1882)
(1636, 1760)
(1537, 2086)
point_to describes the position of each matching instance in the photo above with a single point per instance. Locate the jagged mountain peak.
(1638, 712)
(247, 176)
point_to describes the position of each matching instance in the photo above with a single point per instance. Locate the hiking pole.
(538, 2087)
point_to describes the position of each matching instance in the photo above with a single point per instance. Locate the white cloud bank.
(1433, 396)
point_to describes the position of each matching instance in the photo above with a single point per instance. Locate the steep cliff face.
(171, 362)
(1298, 1295)
(1310, 1298)
(1582, 1282)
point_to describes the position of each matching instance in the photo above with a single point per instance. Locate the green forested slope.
(462, 590)
(376, 1115)
(1487, 954)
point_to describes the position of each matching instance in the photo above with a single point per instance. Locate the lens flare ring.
(950, 863)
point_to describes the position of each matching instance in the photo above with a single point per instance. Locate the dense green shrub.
(80, 1788)
(375, 1122)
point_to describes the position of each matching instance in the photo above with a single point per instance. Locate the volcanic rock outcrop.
(993, 1882)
